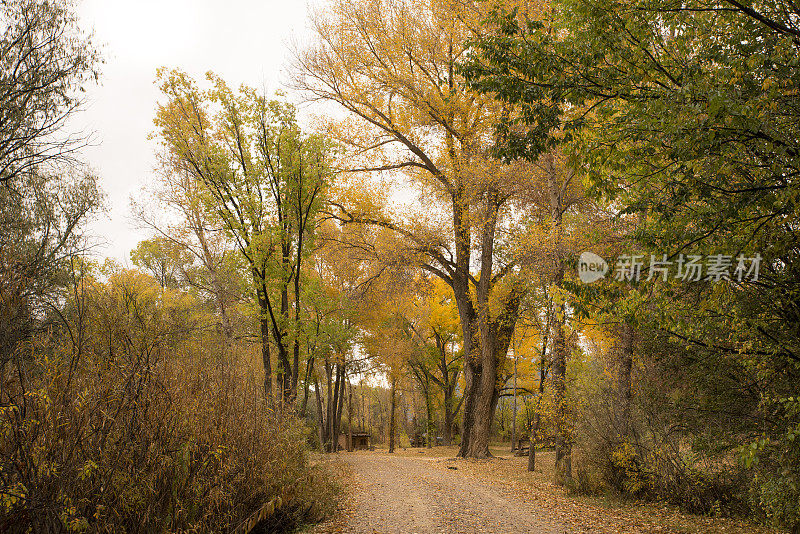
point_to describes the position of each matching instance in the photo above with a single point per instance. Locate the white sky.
(244, 41)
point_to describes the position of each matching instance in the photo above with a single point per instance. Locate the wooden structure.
(523, 444)
(360, 441)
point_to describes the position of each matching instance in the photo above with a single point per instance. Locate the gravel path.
(401, 494)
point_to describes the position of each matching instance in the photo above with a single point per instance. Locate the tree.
(183, 223)
(442, 322)
(430, 321)
(265, 181)
(45, 60)
(684, 115)
(162, 259)
(391, 65)
(42, 220)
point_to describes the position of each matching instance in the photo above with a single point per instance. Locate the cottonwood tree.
(444, 337)
(330, 331)
(264, 180)
(430, 320)
(390, 344)
(391, 65)
(693, 129)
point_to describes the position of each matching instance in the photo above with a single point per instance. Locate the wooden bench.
(523, 444)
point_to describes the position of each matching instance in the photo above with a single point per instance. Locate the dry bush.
(658, 457)
(146, 428)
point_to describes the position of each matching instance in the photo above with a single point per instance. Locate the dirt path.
(430, 491)
(401, 494)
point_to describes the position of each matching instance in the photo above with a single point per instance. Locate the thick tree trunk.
(563, 471)
(492, 337)
(483, 414)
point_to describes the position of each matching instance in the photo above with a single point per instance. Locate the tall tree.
(391, 64)
(685, 115)
(264, 180)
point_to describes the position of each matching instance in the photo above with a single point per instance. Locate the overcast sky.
(244, 41)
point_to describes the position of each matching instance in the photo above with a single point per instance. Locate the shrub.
(146, 429)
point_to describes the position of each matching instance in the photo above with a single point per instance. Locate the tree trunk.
(296, 348)
(492, 337)
(429, 415)
(323, 438)
(624, 390)
(448, 384)
(514, 412)
(447, 432)
(532, 448)
(265, 357)
(563, 471)
(472, 373)
(333, 409)
(363, 407)
(542, 376)
(329, 407)
(340, 378)
(283, 352)
(349, 417)
(309, 370)
(391, 415)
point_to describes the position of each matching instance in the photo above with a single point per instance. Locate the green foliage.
(683, 118)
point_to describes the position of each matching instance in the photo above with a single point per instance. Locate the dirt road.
(430, 491)
(402, 494)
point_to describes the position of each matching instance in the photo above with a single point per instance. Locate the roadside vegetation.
(565, 225)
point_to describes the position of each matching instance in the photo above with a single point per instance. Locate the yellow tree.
(391, 347)
(392, 65)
